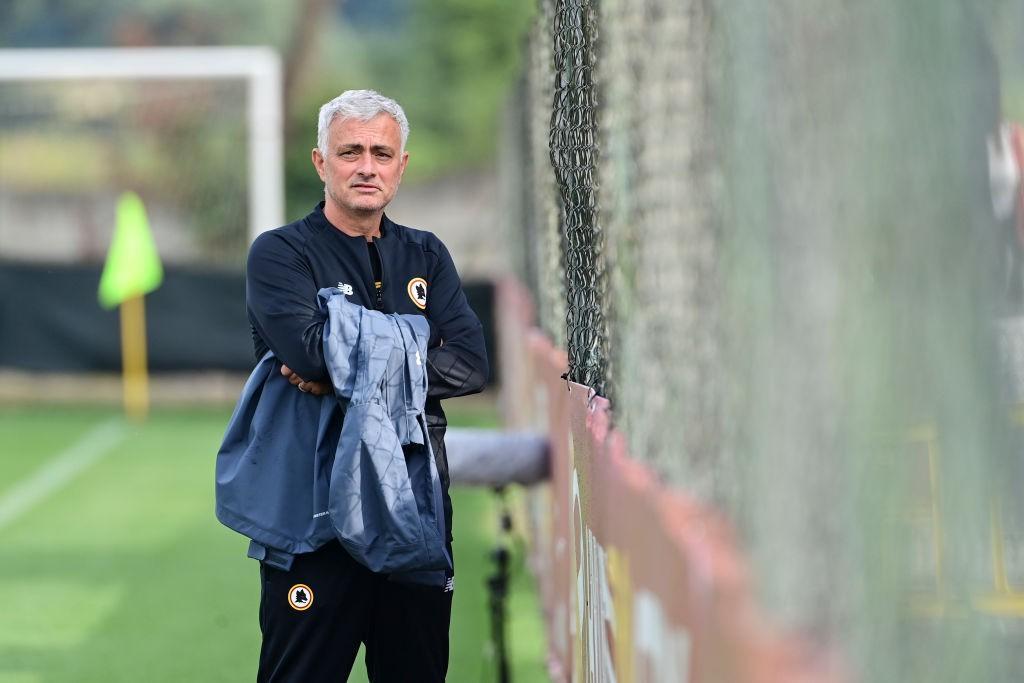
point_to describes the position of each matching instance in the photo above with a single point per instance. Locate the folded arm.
(281, 297)
(456, 360)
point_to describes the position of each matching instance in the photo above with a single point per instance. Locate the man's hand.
(315, 388)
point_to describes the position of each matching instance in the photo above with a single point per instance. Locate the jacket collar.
(319, 221)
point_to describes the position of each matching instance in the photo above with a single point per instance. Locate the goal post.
(259, 67)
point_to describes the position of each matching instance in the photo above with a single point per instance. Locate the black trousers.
(314, 616)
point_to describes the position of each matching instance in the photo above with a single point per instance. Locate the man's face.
(364, 164)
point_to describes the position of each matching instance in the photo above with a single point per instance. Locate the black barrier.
(50, 320)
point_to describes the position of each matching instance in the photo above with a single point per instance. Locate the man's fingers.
(321, 388)
(315, 388)
(292, 377)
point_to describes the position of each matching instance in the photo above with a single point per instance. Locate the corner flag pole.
(135, 384)
(132, 270)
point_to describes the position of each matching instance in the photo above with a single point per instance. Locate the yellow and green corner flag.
(132, 270)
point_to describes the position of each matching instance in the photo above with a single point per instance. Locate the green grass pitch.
(124, 574)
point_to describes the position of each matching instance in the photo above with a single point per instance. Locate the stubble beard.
(357, 209)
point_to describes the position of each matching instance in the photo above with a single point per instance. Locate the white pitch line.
(60, 470)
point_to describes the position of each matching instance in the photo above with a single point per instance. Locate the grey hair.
(362, 105)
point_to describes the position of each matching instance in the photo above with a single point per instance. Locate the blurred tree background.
(449, 62)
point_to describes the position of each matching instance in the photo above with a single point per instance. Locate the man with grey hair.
(317, 607)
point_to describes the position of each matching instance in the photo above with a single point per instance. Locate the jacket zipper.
(378, 277)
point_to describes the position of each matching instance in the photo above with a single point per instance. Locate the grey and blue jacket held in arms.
(282, 484)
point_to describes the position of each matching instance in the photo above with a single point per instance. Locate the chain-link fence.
(538, 204)
(574, 151)
(766, 234)
(600, 277)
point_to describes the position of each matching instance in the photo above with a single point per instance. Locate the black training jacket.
(289, 265)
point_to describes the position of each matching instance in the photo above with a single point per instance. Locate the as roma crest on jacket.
(417, 289)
